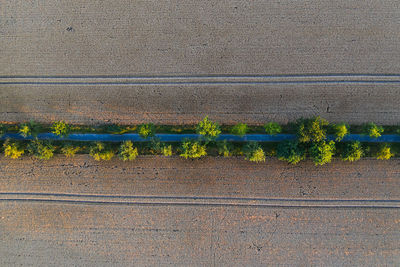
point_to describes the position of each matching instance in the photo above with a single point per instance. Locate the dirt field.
(180, 38)
(229, 104)
(79, 211)
(367, 179)
(199, 37)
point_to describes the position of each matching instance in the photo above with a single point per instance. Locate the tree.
(41, 149)
(272, 128)
(70, 150)
(29, 128)
(384, 153)
(239, 129)
(341, 130)
(291, 151)
(60, 128)
(254, 152)
(322, 152)
(224, 148)
(208, 129)
(373, 130)
(146, 130)
(193, 149)
(312, 129)
(99, 151)
(352, 151)
(13, 149)
(127, 151)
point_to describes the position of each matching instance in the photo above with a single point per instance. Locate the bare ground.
(153, 38)
(42, 229)
(187, 104)
(123, 37)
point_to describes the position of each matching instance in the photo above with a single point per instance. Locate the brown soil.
(197, 234)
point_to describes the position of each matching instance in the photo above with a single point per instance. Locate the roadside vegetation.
(316, 140)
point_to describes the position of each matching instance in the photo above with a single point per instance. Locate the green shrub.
(352, 151)
(146, 130)
(272, 128)
(341, 130)
(322, 152)
(28, 129)
(127, 151)
(312, 129)
(224, 148)
(70, 150)
(254, 152)
(60, 128)
(99, 151)
(166, 150)
(208, 129)
(160, 148)
(384, 153)
(291, 151)
(239, 129)
(13, 149)
(193, 149)
(41, 149)
(2, 129)
(373, 130)
(113, 129)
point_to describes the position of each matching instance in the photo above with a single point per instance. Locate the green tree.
(239, 129)
(322, 152)
(373, 130)
(100, 151)
(291, 151)
(224, 148)
(60, 128)
(208, 129)
(29, 128)
(384, 153)
(69, 150)
(146, 130)
(127, 151)
(254, 152)
(41, 149)
(13, 149)
(272, 128)
(341, 130)
(312, 129)
(352, 151)
(193, 149)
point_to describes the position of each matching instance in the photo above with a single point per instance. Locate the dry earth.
(180, 38)
(121, 37)
(69, 226)
(255, 104)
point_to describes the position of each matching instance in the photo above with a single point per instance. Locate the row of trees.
(307, 129)
(311, 142)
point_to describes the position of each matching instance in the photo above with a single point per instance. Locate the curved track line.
(201, 80)
(195, 200)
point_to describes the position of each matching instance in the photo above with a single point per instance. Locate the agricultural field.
(219, 211)
(96, 64)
